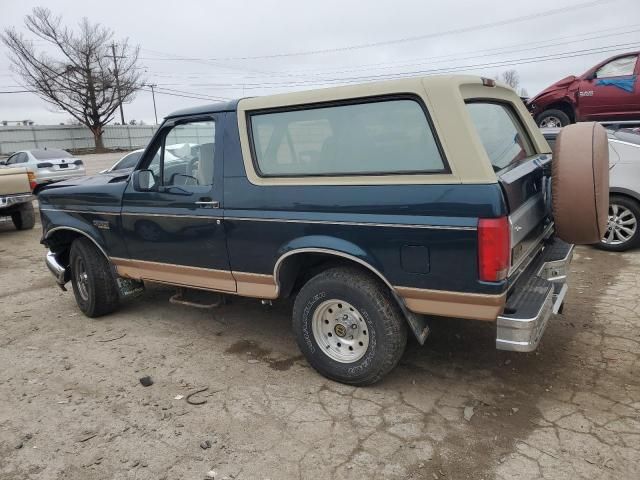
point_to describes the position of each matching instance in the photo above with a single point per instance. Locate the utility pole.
(153, 95)
(115, 73)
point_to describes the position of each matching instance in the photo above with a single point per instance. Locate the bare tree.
(82, 79)
(511, 78)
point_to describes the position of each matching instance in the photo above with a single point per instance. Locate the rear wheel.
(348, 326)
(25, 217)
(94, 285)
(623, 230)
(553, 119)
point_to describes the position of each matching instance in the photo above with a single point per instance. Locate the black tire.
(25, 217)
(375, 307)
(97, 293)
(631, 206)
(545, 118)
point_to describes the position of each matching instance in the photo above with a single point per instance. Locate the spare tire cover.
(580, 183)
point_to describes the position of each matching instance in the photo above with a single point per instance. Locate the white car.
(128, 162)
(48, 165)
(623, 228)
(173, 153)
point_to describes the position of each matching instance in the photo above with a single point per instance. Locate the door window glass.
(618, 67)
(188, 155)
(501, 133)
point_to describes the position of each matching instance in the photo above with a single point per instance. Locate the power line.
(472, 28)
(421, 61)
(363, 78)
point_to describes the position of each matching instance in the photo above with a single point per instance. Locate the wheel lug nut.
(345, 317)
(354, 326)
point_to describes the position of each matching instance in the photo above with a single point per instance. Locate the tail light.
(44, 165)
(32, 180)
(494, 249)
(77, 162)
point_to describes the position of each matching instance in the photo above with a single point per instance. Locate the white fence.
(68, 137)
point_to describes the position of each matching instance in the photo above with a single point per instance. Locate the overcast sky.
(200, 48)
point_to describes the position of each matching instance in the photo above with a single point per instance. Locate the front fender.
(57, 225)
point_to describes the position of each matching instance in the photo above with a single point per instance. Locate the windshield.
(128, 161)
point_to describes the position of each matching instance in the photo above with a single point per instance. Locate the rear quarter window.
(504, 138)
(373, 138)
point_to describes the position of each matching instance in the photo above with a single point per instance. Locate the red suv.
(608, 91)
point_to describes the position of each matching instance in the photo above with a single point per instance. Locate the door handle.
(208, 203)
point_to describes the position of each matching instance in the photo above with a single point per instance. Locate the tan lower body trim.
(205, 278)
(256, 285)
(453, 304)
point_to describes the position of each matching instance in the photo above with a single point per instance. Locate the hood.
(92, 180)
(559, 85)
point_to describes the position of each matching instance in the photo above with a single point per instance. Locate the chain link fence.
(73, 138)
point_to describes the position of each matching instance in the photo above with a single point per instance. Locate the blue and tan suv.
(377, 207)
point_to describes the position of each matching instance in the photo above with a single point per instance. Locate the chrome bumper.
(538, 294)
(58, 271)
(9, 200)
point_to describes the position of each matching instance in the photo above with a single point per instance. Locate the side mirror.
(592, 76)
(144, 181)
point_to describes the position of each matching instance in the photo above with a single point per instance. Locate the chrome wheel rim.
(551, 122)
(82, 279)
(621, 226)
(340, 331)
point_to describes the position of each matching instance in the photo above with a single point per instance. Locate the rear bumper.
(538, 294)
(44, 178)
(7, 201)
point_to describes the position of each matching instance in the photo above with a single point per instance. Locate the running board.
(197, 298)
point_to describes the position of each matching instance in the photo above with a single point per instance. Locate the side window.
(375, 138)
(21, 158)
(188, 154)
(12, 159)
(618, 68)
(503, 136)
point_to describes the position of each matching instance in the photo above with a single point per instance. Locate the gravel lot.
(72, 406)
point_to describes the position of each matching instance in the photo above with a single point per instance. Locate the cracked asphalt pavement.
(72, 406)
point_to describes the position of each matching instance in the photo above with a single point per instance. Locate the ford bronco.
(375, 207)
(16, 184)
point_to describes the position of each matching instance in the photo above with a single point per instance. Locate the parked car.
(623, 226)
(49, 165)
(126, 163)
(376, 207)
(607, 91)
(16, 184)
(172, 153)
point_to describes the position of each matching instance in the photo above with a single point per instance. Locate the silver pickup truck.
(15, 197)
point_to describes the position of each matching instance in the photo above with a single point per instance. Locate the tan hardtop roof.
(402, 85)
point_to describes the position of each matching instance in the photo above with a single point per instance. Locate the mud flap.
(419, 327)
(129, 288)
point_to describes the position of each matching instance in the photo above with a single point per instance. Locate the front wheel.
(623, 231)
(94, 285)
(348, 326)
(553, 119)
